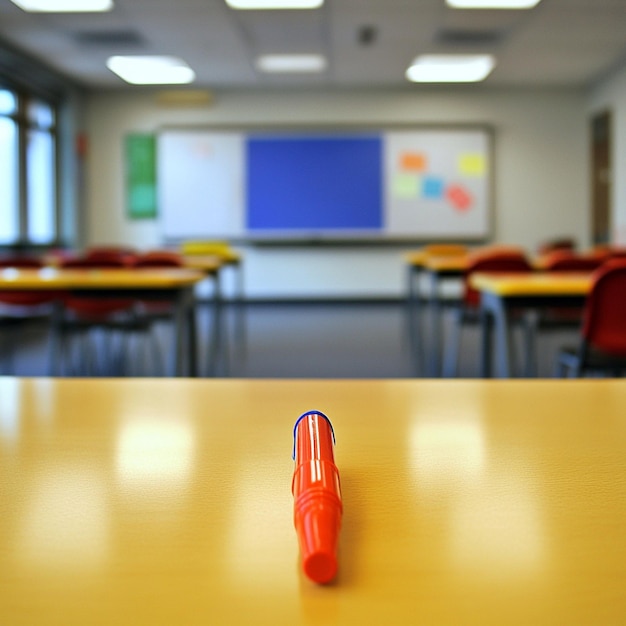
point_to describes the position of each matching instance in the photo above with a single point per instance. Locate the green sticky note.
(406, 186)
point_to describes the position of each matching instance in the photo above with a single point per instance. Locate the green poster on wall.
(140, 162)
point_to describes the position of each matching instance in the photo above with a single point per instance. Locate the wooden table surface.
(150, 502)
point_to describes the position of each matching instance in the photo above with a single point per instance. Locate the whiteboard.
(413, 183)
(201, 184)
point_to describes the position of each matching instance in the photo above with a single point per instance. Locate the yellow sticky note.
(472, 164)
(405, 186)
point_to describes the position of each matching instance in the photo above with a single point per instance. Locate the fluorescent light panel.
(64, 6)
(450, 68)
(151, 70)
(492, 4)
(274, 4)
(291, 63)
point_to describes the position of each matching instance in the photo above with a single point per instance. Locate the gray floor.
(299, 340)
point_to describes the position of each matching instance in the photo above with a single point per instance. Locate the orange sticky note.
(413, 161)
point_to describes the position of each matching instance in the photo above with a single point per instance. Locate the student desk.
(195, 254)
(439, 268)
(212, 264)
(442, 268)
(500, 293)
(157, 502)
(206, 263)
(175, 284)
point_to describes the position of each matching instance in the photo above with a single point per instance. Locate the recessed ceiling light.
(291, 63)
(493, 4)
(450, 68)
(151, 70)
(274, 4)
(64, 6)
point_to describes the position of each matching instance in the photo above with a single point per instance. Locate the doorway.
(601, 177)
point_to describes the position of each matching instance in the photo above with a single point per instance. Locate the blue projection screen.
(314, 183)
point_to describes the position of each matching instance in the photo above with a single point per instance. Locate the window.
(9, 224)
(28, 194)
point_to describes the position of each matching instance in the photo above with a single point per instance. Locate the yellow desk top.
(204, 262)
(533, 284)
(421, 257)
(161, 502)
(453, 263)
(226, 254)
(52, 278)
(416, 257)
(457, 261)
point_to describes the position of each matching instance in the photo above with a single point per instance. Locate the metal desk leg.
(486, 343)
(218, 350)
(192, 333)
(437, 327)
(240, 313)
(185, 353)
(55, 346)
(496, 306)
(414, 317)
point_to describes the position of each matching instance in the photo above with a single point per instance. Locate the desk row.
(501, 288)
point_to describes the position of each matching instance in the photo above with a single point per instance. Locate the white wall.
(541, 172)
(610, 94)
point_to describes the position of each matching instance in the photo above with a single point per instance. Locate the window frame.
(24, 126)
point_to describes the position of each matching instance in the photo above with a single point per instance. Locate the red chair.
(602, 345)
(566, 261)
(155, 259)
(560, 243)
(110, 253)
(158, 258)
(617, 253)
(559, 318)
(95, 309)
(569, 261)
(86, 317)
(19, 308)
(150, 312)
(501, 261)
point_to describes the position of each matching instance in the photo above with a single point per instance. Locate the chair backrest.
(159, 258)
(561, 243)
(96, 307)
(617, 253)
(94, 262)
(20, 262)
(604, 322)
(106, 253)
(608, 251)
(569, 261)
(502, 262)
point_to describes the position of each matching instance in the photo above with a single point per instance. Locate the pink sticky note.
(459, 197)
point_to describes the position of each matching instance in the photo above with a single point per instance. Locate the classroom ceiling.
(368, 43)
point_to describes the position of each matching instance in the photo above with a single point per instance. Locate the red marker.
(317, 496)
